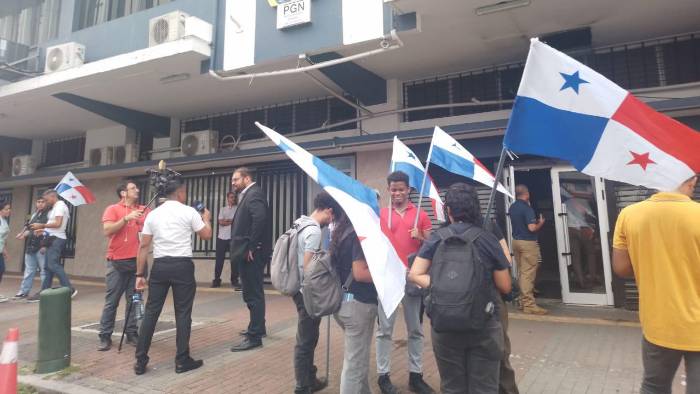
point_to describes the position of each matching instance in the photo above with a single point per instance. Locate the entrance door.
(581, 220)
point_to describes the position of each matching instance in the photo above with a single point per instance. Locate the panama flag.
(449, 154)
(362, 207)
(73, 191)
(566, 110)
(403, 159)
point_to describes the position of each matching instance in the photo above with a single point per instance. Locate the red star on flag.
(642, 159)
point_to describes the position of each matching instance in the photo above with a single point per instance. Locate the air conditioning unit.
(101, 156)
(175, 26)
(123, 154)
(199, 142)
(22, 165)
(160, 149)
(64, 56)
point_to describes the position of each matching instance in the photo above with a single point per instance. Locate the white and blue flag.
(403, 159)
(361, 205)
(449, 154)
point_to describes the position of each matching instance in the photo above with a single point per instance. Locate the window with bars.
(63, 151)
(660, 62)
(93, 12)
(285, 118)
(29, 22)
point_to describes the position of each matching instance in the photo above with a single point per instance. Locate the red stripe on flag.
(667, 134)
(86, 193)
(483, 167)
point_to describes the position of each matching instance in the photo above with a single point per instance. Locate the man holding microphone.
(121, 223)
(169, 229)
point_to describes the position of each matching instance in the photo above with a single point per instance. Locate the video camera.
(160, 178)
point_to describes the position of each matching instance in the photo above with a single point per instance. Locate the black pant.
(177, 272)
(252, 275)
(506, 382)
(469, 361)
(223, 246)
(661, 364)
(307, 339)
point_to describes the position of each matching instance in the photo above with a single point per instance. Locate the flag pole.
(390, 211)
(492, 196)
(422, 185)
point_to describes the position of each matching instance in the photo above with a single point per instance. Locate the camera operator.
(169, 229)
(121, 223)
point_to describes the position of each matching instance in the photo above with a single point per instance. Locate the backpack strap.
(348, 281)
(445, 233)
(472, 234)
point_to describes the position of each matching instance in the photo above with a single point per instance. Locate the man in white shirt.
(169, 229)
(55, 230)
(223, 241)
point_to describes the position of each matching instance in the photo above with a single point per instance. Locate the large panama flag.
(449, 154)
(360, 203)
(73, 191)
(566, 110)
(403, 159)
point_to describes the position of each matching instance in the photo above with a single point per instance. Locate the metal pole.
(328, 348)
(422, 185)
(391, 210)
(492, 196)
(126, 323)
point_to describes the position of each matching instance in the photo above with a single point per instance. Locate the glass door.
(582, 229)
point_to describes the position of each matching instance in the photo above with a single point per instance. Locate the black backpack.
(460, 297)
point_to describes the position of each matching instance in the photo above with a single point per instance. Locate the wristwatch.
(139, 275)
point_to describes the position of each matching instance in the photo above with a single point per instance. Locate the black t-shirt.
(348, 251)
(522, 214)
(33, 241)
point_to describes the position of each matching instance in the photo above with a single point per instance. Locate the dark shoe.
(385, 385)
(188, 365)
(216, 283)
(417, 385)
(105, 343)
(140, 367)
(247, 344)
(237, 287)
(132, 339)
(318, 384)
(245, 333)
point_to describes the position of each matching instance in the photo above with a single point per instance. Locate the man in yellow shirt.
(658, 242)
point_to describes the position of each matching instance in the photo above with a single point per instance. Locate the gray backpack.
(323, 292)
(460, 297)
(284, 266)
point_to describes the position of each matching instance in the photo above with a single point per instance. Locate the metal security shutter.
(426, 204)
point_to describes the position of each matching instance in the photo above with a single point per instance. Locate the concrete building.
(106, 88)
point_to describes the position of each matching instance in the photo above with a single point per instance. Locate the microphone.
(199, 206)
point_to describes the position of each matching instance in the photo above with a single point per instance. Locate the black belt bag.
(124, 266)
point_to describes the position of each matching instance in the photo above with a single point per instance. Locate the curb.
(53, 386)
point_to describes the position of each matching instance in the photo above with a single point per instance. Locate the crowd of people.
(459, 275)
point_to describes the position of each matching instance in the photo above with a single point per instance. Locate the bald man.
(525, 247)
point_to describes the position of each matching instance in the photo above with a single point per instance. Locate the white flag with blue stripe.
(360, 203)
(403, 159)
(449, 154)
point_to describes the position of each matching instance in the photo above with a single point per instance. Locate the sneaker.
(19, 296)
(385, 385)
(188, 365)
(535, 310)
(74, 293)
(3, 298)
(35, 298)
(318, 384)
(417, 385)
(105, 343)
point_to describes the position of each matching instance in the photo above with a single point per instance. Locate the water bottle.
(137, 300)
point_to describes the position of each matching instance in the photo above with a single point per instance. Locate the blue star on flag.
(572, 81)
(411, 156)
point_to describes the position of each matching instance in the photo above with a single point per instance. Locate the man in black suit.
(248, 251)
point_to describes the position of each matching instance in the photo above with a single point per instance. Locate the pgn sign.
(293, 12)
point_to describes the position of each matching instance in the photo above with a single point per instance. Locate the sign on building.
(293, 12)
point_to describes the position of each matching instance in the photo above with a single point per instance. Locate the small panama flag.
(73, 191)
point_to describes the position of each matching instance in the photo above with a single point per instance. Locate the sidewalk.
(576, 350)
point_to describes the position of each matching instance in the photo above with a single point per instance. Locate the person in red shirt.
(406, 235)
(122, 222)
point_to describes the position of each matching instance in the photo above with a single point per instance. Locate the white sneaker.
(3, 298)
(74, 293)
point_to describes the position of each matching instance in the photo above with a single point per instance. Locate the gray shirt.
(309, 240)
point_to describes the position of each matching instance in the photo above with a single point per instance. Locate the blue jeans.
(2, 266)
(32, 261)
(54, 266)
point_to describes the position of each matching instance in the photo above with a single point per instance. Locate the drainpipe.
(384, 46)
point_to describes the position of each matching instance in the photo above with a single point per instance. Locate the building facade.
(106, 88)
